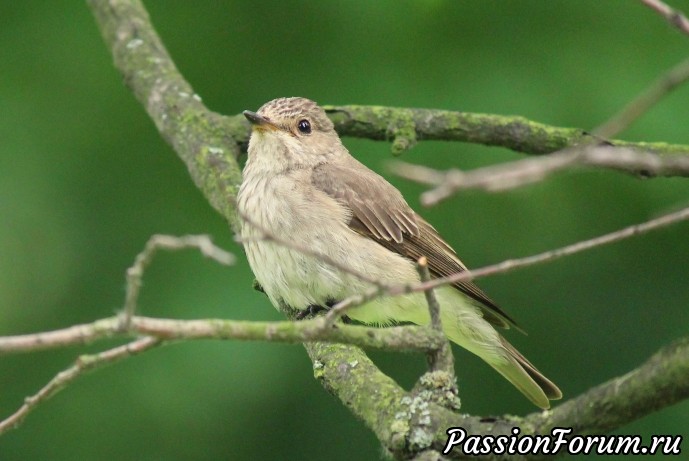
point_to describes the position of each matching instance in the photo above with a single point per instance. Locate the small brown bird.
(301, 184)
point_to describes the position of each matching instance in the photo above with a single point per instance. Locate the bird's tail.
(525, 377)
(519, 371)
(465, 326)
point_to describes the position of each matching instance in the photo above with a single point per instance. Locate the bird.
(301, 184)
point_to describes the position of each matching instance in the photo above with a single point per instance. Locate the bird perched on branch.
(301, 185)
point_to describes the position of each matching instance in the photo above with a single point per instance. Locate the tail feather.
(511, 364)
(525, 377)
(465, 326)
(547, 386)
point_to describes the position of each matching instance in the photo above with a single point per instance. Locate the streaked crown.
(283, 110)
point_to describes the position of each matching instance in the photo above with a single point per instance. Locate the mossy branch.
(404, 422)
(400, 338)
(204, 140)
(210, 143)
(512, 132)
(398, 418)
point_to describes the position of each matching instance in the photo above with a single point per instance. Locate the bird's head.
(292, 132)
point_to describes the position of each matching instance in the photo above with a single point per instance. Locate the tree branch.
(408, 424)
(83, 364)
(513, 132)
(674, 17)
(659, 89)
(642, 103)
(661, 381)
(440, 382)
(212, 142)
(400, 338)
(134, 274)
(204, 140)
(155, 331)
(439, 359)
(529, 170)
(404, 422)
(339, 309)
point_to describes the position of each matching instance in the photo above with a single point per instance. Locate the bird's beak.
(258, 121)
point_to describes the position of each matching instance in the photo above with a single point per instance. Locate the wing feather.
(379, 212)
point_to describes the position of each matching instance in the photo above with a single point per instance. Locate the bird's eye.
(304, 126)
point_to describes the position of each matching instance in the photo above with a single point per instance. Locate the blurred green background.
(85, 180)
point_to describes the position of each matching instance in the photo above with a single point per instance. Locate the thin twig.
(511, 264)
(401, 338)
(321, 332)
(433, 305)
(165, 242)
(82, 334)
(674, 17)
(642, 103)
(530, 170)
(83, 364)
(267, 236)
(439, 359)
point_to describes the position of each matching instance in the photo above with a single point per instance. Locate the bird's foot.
(314, 309)
(311, 311)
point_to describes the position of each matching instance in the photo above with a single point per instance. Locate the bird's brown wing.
(380, 213)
